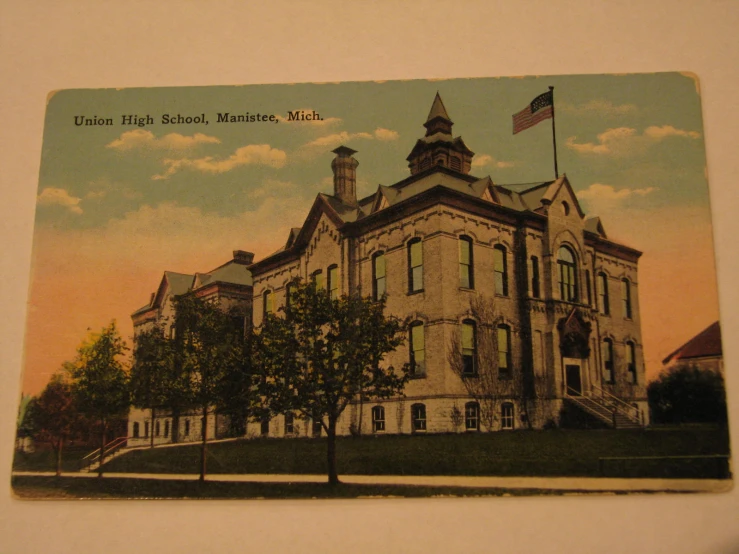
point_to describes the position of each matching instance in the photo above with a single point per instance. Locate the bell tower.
(438, 147)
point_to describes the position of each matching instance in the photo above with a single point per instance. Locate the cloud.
(386, 134)
(483, 160)
(659, 133)
(52, 196)
(622, 141)
(271, 188)
(140, 139)
(598, 191)
(253, 154)
(332, 141)
(598, 107)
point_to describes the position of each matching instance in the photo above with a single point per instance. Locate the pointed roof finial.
(437, 109)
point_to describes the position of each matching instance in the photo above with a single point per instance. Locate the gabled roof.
(594, 225)
(705, 344)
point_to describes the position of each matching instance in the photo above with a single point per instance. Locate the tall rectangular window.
(418, 349)
(472, 416)
(506, 416)
(378, 419)
(333, 282)
(603, 304)
(415, 265)
(466, 267)
(535, 279)
(631, 362)
(317, 278)
(501, 270)
(587, 287)
(468, 348)
(378, 275)
(289, 423)
(608, 361)
(504, 351)
(268, 303)
(626, 298)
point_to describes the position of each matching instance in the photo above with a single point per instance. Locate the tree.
(208, 348)
(153, 379)
(482, 379)
(100, 383)
(688, 395)
(54, 417)
(319, 353)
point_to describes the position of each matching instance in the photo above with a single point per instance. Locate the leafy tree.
(153, 379)
(53, 416)
(688, 395)
(100, 383)
(208, 348)
(320, 353)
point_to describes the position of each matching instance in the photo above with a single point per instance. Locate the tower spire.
(438, 120)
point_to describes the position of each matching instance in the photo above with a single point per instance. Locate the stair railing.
(94, 456)
(632, 412)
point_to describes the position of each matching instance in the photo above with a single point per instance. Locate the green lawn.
(44, 458)
(33, 487)
(525, 453)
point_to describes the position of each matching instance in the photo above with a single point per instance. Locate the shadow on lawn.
(42, 487)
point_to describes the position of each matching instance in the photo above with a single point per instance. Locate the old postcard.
(400, 288)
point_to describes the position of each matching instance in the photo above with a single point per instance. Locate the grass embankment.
(44, 458)
(33, 487)
(521, 453)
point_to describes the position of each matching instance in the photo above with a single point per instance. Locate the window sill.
(466, 289)
(412, 292)
(417, 376)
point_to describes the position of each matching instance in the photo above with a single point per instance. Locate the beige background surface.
(49, 45)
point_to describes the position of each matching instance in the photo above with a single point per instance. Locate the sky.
(119, 204)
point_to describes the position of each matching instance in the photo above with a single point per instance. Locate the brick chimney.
(243, 257)
(345, 175)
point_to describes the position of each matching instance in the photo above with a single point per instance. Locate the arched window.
(146, 429)
(535, 279)
(469, 346)
(289, 423)
(603, 303)
(415, 265)
(289, 294)
(466, 263)
(506, 416)
(418, 417)
(317, 278)
(378, 418)
(472, 416)
(166, 429)
(417, 345)
(135, 431)
(378, 275)
(500, 264)
(626, 298)
(608, 361)
(157, 428)
(631, 362)
(567, 275)
(187, 427)
(267, 303)
(333, 281)
(504, 352)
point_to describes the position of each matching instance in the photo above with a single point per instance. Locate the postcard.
(489, 286)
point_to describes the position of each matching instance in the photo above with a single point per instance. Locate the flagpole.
(554, 136)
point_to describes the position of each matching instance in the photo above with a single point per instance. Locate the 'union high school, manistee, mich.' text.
(189, 119)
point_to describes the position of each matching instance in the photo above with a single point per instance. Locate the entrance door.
(574, 384)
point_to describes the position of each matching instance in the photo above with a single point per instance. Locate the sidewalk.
(603, 484)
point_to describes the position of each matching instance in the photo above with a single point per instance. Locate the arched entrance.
(574, 339)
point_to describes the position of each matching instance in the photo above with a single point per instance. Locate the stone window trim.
(378, 419)
(415, 265)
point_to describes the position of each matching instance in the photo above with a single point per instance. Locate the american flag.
(541, 108)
